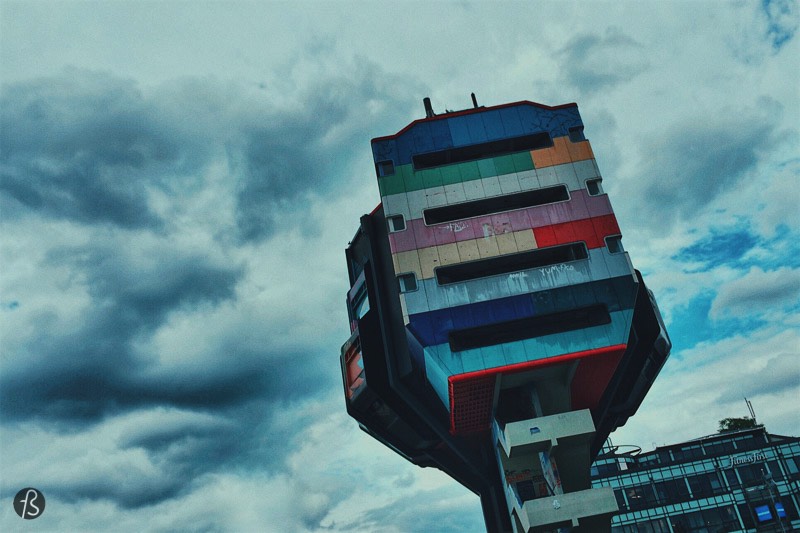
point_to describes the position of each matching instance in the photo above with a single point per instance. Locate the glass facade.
(746, 481)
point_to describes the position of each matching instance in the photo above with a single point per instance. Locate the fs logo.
(29, 503)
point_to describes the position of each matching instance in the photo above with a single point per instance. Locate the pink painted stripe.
(580, 206)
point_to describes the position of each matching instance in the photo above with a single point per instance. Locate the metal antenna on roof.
(428, 108)
(752, 412)
(474, 101)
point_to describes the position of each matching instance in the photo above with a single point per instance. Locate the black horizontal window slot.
(528, 328)
(479, 151)
(505, 264)
(496, 204)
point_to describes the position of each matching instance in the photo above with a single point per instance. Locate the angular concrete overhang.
(547, 433)
(588, 511)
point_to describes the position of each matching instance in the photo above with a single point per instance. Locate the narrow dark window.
(407, 282)
(528, 328)
(576, 134)
(385, 168)
(396, 223)
(496, 204)
(505, 264)
(479, 151)
(614, 244)
(360, 304)
(595, 187)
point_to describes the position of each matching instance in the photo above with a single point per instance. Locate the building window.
(614, 244)
(385, 168)
(671, 491)
(496, 204)
(750, 474)
(396, 223)
(648, 461)
(505, 264)
(449, 156)
(529, 328)
(685, 453)
(733, 481)
(705, 485)
(638, 497)
(576, 134)
(775, 470)
(407, 282)
(719, 447)
(747, 442)
(360, 304)
(595, 187)
(623, 506)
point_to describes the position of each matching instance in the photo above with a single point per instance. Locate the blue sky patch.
(691, 324)
(720, 248)
(781, 22)
(782, 250)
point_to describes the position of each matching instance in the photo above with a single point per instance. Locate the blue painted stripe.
(459, 129)
(423, 138)
(433, 327)
(493, 125)
(474, 128)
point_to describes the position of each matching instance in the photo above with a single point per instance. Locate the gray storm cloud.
(125, 166)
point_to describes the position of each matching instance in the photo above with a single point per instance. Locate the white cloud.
(706, 383)
(212, 75)
(758, 292)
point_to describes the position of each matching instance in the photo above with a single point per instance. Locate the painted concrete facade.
(499, 331)
(579, 213)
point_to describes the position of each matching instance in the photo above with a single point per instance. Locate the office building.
(746, 480)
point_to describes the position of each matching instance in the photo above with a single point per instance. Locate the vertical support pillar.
(544, 464)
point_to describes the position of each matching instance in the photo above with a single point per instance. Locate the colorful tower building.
(499, 330)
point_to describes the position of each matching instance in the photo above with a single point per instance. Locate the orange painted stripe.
(563, 151)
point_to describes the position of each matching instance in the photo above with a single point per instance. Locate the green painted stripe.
(405, 179)
(522, 161)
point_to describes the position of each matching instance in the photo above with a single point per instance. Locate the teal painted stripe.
(437, 372)
(406, 179)
(441, 363)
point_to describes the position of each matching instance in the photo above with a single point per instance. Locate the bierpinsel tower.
(499, 331)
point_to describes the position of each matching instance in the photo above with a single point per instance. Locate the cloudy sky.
(178, 182)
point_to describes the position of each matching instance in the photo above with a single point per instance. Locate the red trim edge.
(527, 365)
(478, 421)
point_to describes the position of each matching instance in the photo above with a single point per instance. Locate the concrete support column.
(544, 464)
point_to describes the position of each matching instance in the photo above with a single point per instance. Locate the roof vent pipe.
(428, 109)
(474, 101)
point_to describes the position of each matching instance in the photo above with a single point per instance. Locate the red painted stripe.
(591, 379)
(528, 365)
(592, 231)
(418, 236)
(471, 393)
